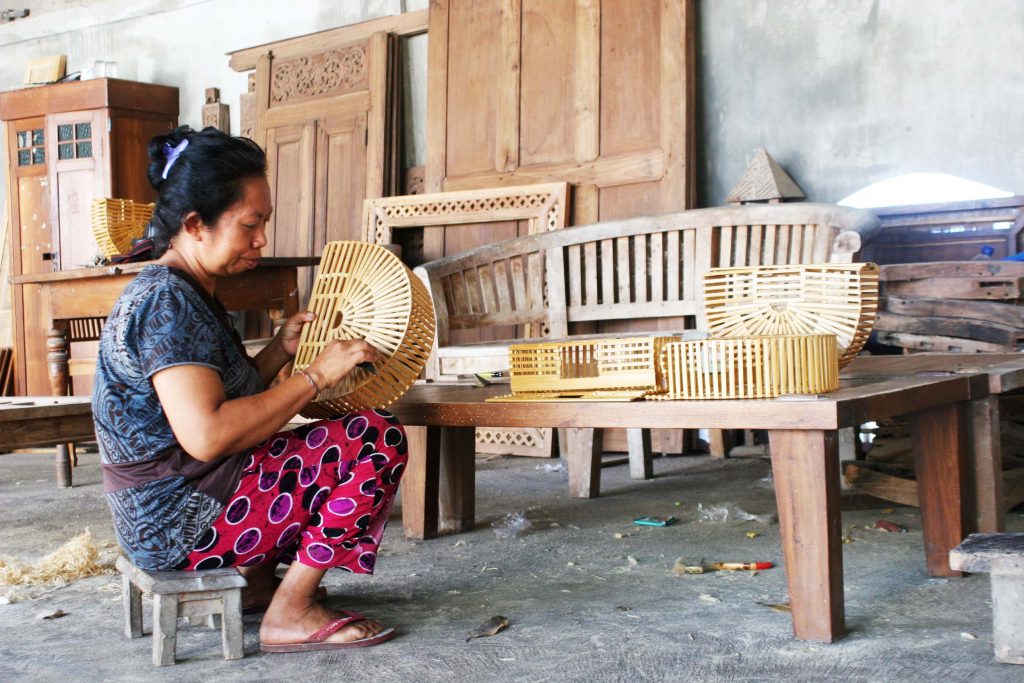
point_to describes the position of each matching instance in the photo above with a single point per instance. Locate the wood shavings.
(79, 558)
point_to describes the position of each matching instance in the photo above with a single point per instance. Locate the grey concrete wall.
(844, 93)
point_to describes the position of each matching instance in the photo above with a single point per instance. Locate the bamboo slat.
(363, 291)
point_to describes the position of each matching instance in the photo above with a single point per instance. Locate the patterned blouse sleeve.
(175, 327)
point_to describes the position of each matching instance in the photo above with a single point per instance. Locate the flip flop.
(316, 641)
(261, 607)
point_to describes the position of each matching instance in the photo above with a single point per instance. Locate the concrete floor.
(590, 596)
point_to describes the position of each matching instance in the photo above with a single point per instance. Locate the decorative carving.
(764, 181)
(334, 71)
(247, 114)
(215, 113)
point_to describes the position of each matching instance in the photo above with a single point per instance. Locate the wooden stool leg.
(641, 460)
(165, 628)
(584, 462)
(231, 624)
(805, 467)
(131, 598)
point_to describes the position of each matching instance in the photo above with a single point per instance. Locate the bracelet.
(309, 378)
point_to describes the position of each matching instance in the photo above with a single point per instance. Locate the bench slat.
(590, 264)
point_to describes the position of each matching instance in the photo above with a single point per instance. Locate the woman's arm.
(209, 426)
(282, 347)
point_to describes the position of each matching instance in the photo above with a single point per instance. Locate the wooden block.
(990, 553)
(979, 330)
(994, 312)
(936, 343)
(992, 289)
(860, 477)
(950, 269)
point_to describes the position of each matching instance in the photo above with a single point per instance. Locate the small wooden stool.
(183, 594)
(1002, 556)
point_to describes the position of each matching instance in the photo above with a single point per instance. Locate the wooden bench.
(640, 274)
(1002, 556)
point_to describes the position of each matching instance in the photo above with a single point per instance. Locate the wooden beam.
(637, 167)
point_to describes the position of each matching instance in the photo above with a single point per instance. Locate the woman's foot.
(263, 584)
(292, 623)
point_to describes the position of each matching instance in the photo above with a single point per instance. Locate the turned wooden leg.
(421, 482)
(584, 461)
(988, 464)
(939, 441)
(641, 459)
(57, 368)
(805, 468)
(458, 478)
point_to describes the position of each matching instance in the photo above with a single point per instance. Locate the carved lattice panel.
(536, 443)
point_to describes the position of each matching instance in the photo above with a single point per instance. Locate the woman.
(195, 471)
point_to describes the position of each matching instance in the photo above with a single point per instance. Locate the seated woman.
(196, 470)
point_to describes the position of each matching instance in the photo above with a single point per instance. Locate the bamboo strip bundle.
(837, 299)
(363, 291)
(116, 223)
(750, 367)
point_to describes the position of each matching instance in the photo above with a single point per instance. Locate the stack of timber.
(955, 306)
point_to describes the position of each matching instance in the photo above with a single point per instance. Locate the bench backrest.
(639, 268)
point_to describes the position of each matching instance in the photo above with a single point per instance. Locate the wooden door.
(77, 149)
(340, 178)
(32, 248)
(291, 158)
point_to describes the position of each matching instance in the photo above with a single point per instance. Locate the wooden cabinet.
(68, 144)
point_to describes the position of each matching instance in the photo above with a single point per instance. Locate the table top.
(858, 400)
(1005, 370)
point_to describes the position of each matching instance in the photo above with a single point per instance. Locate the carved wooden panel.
(332, 72)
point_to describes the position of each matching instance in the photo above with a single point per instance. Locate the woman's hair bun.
(158, 150)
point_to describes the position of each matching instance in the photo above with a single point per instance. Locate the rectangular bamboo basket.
(750, 367)
(622, 368)
(116, 223)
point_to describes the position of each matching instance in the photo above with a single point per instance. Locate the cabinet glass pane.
(23, 157)
(64, 132)
(22, 138)
(37, 137)
(38, 157)
(65, 151)
(83, 150)
(83, 131)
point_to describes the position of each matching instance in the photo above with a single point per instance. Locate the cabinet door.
(291, 158)
(32, 250)
(76, 147)
(341, 178)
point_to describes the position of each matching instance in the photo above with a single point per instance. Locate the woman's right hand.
(337, 360)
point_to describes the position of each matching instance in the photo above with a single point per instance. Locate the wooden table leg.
(987, 452)
(805, 467)
(458, 478)
(420, 483)
(584, 461)
(939, 441)
(641, 456)
(57, 368)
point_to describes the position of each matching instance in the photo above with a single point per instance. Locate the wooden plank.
(623, 271)
(607, 272)
(506, 139)
(677, 87)
(739, 255)
(575, 275)
(987, 470)
(937, 343)
(940, 461)
(607, 171)
(640, 268)
(673, 284)
(436, 163)
(688, 265)
(376, 132)
(974, 270)
(1003, 313)
(996, 288)
(587, 85)
(805, 466)
(979, 330)
(591, 267)
(657, 267)
(861, 477)
(501, 282)
(725, 259)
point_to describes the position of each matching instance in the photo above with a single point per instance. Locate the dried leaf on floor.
(489, 628)
(777, 607)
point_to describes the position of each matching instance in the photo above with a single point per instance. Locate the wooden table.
(77, 302)
(1005, 372)
(44, 421)
(439, 482)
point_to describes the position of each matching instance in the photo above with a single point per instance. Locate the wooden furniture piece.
(68, 144)
(598, 94)
(644, 271)
(363, 291)
(1005, 376)
(325, 108)
(1002, 556)
(439, 481)
(46, 421)
(192, 594)
(954, 231)
(75, 303)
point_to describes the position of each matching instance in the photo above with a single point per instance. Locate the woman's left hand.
(288, 335)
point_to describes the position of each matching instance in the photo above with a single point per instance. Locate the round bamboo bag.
(830, 298)
(363, 291)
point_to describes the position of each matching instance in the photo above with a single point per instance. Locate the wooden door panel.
(129, 136)
(547, 133)
(76, 147)
(36, 237)
(74, 192)
(341, 182)
(291, 157)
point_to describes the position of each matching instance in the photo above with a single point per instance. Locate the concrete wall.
(844, 93)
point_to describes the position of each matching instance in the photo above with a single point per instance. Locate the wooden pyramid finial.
(764, 181)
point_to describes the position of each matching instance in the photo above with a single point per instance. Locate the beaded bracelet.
(309, 378)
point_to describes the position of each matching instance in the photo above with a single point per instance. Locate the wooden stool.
(189, 594)
(1002, 556)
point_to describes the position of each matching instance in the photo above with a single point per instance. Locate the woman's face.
(236, 239)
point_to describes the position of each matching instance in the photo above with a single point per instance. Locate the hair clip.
(172, 154)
